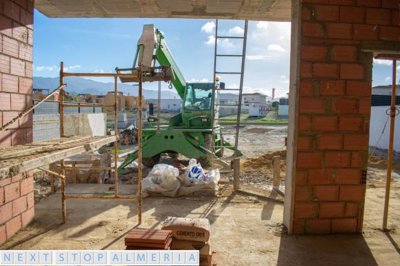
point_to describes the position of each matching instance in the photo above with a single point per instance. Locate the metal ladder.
(218, 55)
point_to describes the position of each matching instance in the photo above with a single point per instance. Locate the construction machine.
(194, 132)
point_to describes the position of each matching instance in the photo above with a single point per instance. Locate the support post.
(62, 164)
(390, 149)
(276, 170)
(116, 136)
(139, 120)
(236, 174)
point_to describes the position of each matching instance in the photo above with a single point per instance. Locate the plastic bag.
(194, 173)
(161, 179)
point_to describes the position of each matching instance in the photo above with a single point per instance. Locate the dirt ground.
(246, 229)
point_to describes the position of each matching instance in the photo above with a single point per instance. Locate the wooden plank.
(12, 167)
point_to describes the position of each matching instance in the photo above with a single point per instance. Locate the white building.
(385, 90)
(167, 105)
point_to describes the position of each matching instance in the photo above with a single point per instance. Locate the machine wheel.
(150, 162)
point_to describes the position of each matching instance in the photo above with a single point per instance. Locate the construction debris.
(148, 239)
(128, 136)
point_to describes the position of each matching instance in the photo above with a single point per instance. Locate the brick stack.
(16, 40)
(334, 102)
(191, 234)
(148, 239)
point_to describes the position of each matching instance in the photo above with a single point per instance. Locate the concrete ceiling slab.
(272, 10)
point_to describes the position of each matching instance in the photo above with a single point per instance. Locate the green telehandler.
(193, 132)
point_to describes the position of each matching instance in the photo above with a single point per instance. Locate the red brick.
(320, 176)
(5, 26)
(309, 159)
(311, 105)
(8, 116)
(29, 135)
(312, 29)
(356, 142)
(26, 186)
(298, 226)
(1, 195)
(5, 139)
(340, 31)
(13, 226)
(314, 52)
(305, 70)
(306, 88)
(347, 225)
(19, 137)
(351, 209)
(356, 159)
(305, 210)
(342, 2)
(11, 10)
(390, 33)
(359, 88)
(302, 193)
(18, 102)
(352, 193)
(318, 226)
(301, 178)
(330, 142)
(11, 192)
(351, 123)
(10, 46)
(19, 206)
(305, 13)
(4, 64)
(28, 69)
(326, 193)
(332, 87)
(30, 198)
(324, 70)
(20, 32)
(30, 37)
(5, 101)
(304, 143)
(21, 3)
(395, 17)
(364, 106)
(326, 13)
(17, 178)
(27, 216)
(25, 52)
(365, 32)
(5, 212)
(352, 14)
(378, 16)
(5, 182)
(337, 159)
(369, 3)
(304, 122)
(25, 85)
(352, 71)
(27, 19)
(331, 209)
(344, 53)
(324, 123)
(17, 67)
(344, 105)
(390, 4)
(9, 83)
(3, 236)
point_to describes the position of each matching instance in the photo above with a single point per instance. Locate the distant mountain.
(77, 85)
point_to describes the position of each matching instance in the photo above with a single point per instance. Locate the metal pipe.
(86, 196)
(139, 119)
(61, 100)
(24, 113)
(118, 75)
(158, 106)
(87, 105)
(116, 134)
(52, 172)
(390, 149)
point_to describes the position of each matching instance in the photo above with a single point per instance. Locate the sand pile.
(263, 163)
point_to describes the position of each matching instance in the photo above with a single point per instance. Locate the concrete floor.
(245, 230)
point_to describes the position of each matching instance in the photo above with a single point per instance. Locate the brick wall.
(16, 35)
(334, 95)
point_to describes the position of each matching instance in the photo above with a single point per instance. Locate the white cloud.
(257, 57)
(198, 80)
(46, 68)
(263, 25)
(69, 68)
(275, 48)
(236, 30)
(208, 27)
(383, 62)
(210, 40)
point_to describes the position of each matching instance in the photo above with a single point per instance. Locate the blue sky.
(100, 45)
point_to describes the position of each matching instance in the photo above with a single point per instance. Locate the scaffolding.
(22, 158)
